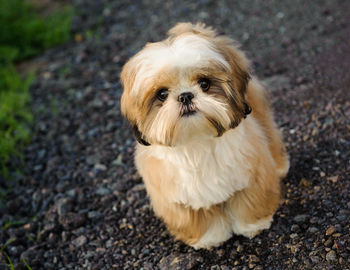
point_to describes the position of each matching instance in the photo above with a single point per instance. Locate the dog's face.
(190, 85)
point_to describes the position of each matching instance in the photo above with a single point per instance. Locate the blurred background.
(70, 197)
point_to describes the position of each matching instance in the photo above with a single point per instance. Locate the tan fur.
(246, 155)
(185, 223)
(257, 98)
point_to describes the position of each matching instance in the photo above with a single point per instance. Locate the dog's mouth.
(188, 110)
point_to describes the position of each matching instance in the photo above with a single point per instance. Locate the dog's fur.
(216, 170)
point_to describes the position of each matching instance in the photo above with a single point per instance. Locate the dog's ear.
(138, 136)
(239, 74)
(129, 107)
(239, 64)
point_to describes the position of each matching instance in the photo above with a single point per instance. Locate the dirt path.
(81, 204)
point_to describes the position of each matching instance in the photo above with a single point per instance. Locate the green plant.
(8, 242)
(26, 264)
(23, 33)
(15, 115)
(11, 264)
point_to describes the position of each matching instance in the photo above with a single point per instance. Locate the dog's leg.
(251, 210)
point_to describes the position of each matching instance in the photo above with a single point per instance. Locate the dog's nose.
(186, 98)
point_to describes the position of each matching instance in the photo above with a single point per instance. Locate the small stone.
(312, 229)
(254, 259)
(100, 167)
(331, 256)
(314, 220)
(341, 218)
(89, 254)
(239, 248)
(102, 191)
(315, 259)
(293, 235)
(71, 193)
(301, 218)
(118, 161)
(148, 266)
(95, 215)
(47, 229)
(109, 244)
(328, 243)
(295, 228)
(72, 220)
(277, 82)
(330, 230)
(220, 252)
(179, 261)
(333, 179)
(80, 241)
(63, 206)
(145, 251)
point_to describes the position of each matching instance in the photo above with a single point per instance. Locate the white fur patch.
(185, 51)
(250, 230)
(218, 232)
(208, 170)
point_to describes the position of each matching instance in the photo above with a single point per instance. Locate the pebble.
(315, 259)
(328, 243)
(63, 206)
(330, 230)
(95, 215)
(100, 167)
(331, 256)
(294, 235)
(80, 241)
(301, 218)
(312, 230)
(72, 220)
(179, 261)
(253, 258)
(102, 191)
(295, 228)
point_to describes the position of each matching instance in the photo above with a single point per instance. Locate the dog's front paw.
(218, 232)
(251, 230)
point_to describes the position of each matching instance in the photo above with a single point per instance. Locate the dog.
(208, 149)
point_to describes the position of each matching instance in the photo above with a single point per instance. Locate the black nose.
(186, 98)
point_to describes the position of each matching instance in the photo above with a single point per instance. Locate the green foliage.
(23, 33)
(26, 264)
(14, 114)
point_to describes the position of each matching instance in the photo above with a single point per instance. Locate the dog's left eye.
(162, 94)
(204, 83)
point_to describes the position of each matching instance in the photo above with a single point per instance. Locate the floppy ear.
(128, 102)
(239, 64)
(239, 75)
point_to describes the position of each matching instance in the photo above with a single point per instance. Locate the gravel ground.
(80, 203)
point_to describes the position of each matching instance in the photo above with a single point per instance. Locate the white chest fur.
(207, 171)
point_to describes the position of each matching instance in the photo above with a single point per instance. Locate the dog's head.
(190, 85)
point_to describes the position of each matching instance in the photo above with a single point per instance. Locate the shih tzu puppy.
(208, 149)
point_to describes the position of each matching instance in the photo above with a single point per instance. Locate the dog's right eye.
(162, 94)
